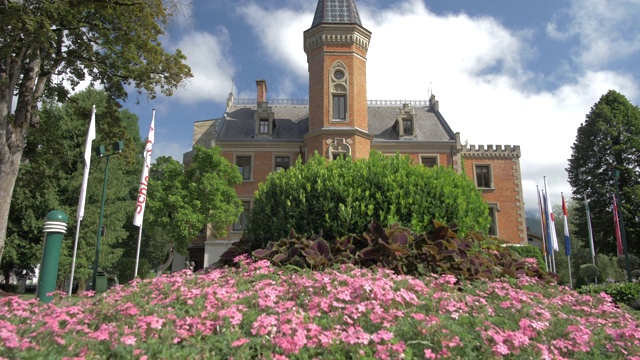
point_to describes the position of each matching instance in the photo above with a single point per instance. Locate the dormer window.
(405, 124)
(265, 122)
(264, 126)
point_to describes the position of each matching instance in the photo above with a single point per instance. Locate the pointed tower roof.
(336, 12)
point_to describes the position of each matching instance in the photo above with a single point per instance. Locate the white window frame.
(430, 156)
(339, 87)
(475, 176)
(235, 162)
(493, 207)
(245, 214)
(275, 157)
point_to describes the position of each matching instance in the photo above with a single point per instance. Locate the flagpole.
(135, 273)
(91, 135)
(593, 251)
(542, 229)
(551, 228)
(75, 252)
(567, 238)
(142, 191)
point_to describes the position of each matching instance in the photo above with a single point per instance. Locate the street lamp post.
(616, 175)
(118, 146)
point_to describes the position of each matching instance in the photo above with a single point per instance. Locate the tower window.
(340, 107)
(483, 176)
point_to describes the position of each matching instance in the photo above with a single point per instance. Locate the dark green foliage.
(634, 262)
(341, 197)
(589, 272)
(51, 176)
(126, 267)
(400, 250)
(529, 251)
(609, 138)
(635, 274)
(621, 293)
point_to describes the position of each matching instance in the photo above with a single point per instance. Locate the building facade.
(262, 135)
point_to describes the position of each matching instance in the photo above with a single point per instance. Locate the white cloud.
(478, 71)
(608, 31)
(282, 42)
(213, 70)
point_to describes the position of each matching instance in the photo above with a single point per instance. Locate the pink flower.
(428, 354)
(381, 335)
(240, 342)
(128, 340)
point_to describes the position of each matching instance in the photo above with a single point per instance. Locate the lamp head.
(99, 150)
(118, 146)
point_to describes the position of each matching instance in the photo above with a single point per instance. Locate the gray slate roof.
(336, 11)
(292, 122)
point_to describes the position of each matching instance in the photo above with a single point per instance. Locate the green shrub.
(528, 251)
(621, 293)
(125, 269)
(343, 196)
(589, 273)
(635, 274)
(634, 262)
(608, 269)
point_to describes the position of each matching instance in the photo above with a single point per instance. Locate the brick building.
(263, 135)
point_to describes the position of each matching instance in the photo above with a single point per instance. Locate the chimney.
(433, 103)
(262, 91)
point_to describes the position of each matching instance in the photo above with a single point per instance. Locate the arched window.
(338, 81)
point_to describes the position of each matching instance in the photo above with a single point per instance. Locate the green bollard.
(55, 226)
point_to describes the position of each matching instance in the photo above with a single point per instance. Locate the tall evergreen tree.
(51, 175)
(608, 139)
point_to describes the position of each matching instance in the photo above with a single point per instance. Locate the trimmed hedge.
(528, 251)
(343, 196)
(621, 292)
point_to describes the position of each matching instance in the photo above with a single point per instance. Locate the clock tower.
(336, 46)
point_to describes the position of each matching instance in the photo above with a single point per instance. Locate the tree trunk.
(160, 269)
(9, 166)
(13, 132)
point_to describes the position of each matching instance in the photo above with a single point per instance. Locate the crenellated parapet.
(491, 151)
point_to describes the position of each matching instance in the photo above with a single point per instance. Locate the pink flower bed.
(259, 311)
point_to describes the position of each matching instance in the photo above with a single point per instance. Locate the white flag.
(144, 179)
(91, 135)
(551, 223)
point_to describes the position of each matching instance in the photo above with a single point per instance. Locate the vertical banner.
(144, 178)
(616, 221)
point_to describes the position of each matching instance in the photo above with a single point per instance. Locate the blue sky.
(508, 72)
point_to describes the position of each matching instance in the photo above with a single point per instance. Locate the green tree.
(47, 44)
(51, 176)
(183, 200)
(343, 196)
(608, 139)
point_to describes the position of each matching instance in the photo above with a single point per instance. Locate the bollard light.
(55, 226)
